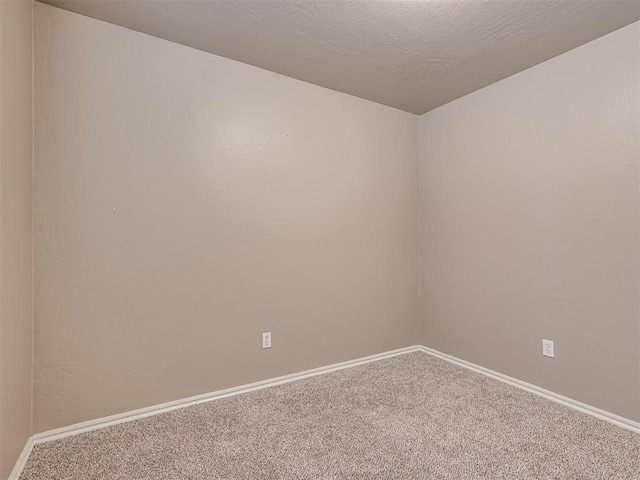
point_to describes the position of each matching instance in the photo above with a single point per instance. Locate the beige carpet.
(408, 417)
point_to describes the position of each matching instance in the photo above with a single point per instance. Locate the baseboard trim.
(22, 460)
(549, 395)
(103, 422)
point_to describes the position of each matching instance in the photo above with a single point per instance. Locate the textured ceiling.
(411, 54)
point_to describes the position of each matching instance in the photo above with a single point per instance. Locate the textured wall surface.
(529, 224)
(413, 55)
(15, 230)
(185, 203)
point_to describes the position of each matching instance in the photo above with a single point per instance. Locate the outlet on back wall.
(266, 340)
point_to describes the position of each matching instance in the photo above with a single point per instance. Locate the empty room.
(319, 239)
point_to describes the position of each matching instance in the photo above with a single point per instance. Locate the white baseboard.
(22, 460)
(569, 402)
(103, 422)
(207, 397)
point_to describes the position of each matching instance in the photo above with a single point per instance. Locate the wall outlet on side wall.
(266, 340)
(547, 348)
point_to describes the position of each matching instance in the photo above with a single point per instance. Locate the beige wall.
(529, 224)
(15, 230)
(186, 203)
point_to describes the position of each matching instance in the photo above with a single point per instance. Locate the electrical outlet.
(266, 340)
(547, 348)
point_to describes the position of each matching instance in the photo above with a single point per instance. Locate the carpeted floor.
(408, 417)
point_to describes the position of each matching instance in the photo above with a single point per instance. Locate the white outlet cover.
(547, 348)
(266, 340)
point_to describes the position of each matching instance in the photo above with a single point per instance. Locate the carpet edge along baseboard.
(104, 422)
